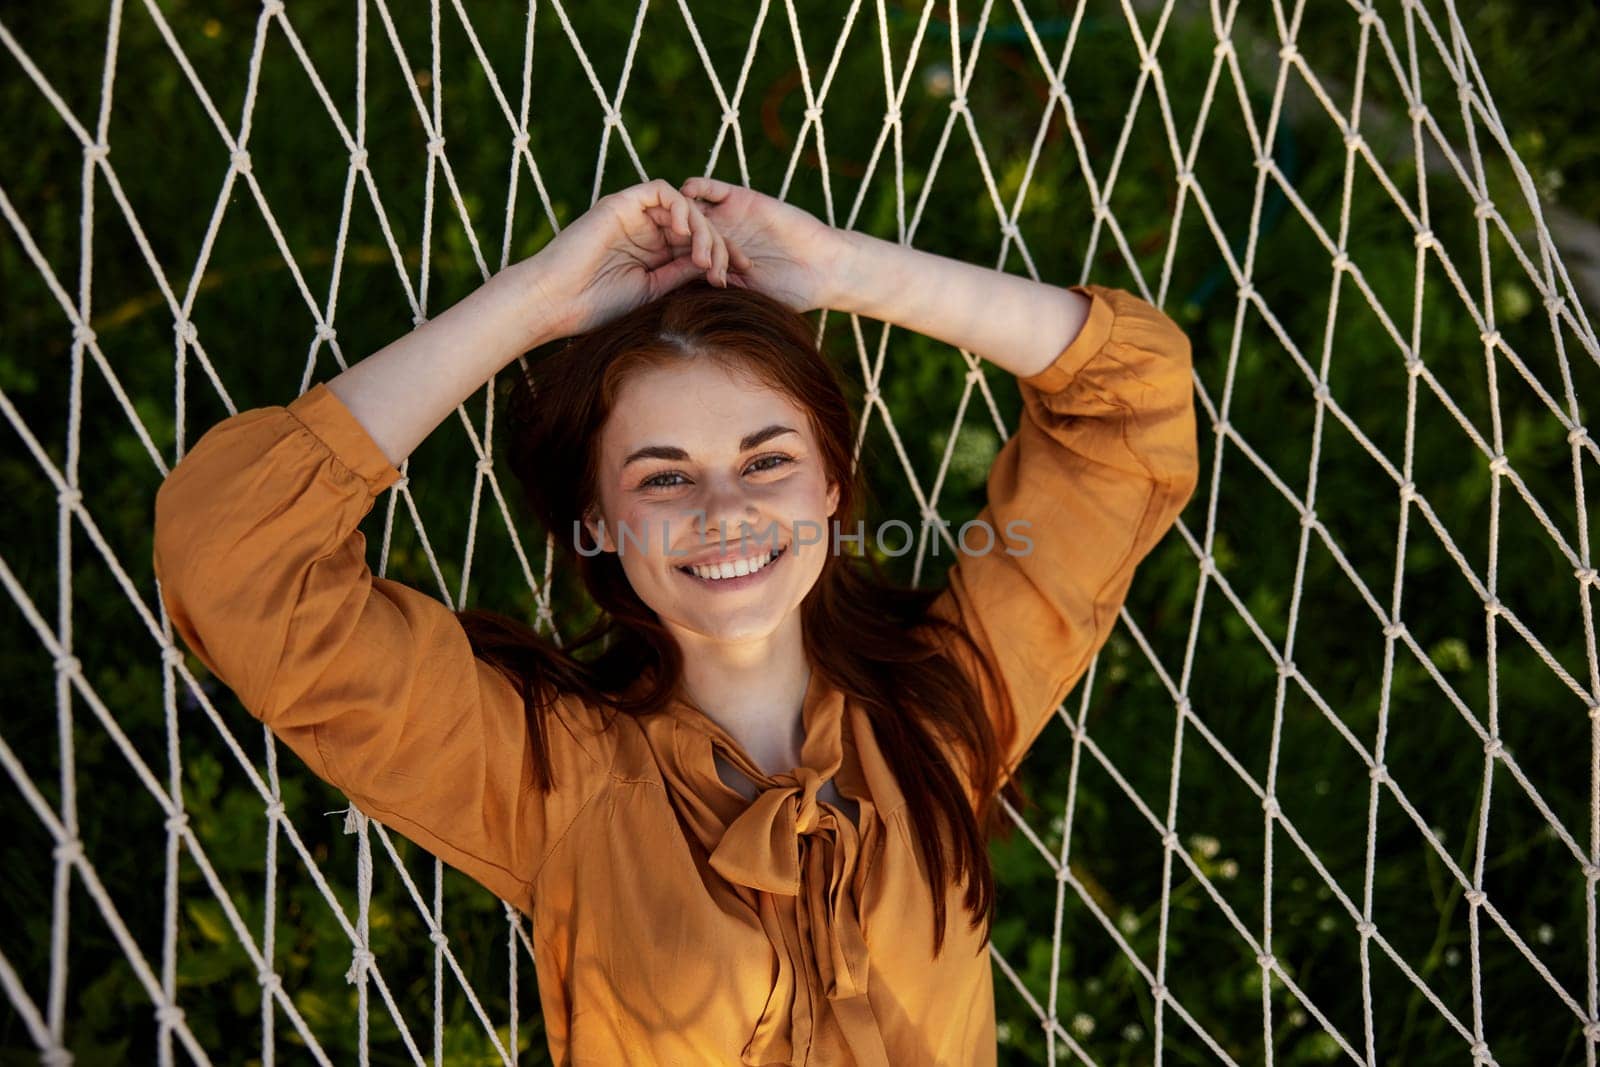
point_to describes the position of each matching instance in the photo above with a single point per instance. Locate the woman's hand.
(632, 246)
(790, 254)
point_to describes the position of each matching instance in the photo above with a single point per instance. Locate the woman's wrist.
(845, 275)
(542, 316)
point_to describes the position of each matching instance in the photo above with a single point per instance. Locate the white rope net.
(1144, 914)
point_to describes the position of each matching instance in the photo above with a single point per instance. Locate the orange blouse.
(674, 922)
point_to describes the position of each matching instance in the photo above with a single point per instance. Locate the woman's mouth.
(735, 574)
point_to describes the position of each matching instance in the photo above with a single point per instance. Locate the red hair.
(915, 695)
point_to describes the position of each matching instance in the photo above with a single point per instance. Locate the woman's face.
(693, 445)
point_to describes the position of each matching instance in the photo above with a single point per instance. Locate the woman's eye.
(661, 481)
(655, 482)
(781, 460)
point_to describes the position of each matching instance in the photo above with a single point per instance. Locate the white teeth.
(734, 569)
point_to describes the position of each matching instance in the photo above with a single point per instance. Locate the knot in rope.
(360, 960)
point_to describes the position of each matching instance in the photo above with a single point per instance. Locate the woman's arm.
(1102, 462)
(1015, 323)
(788, 253)
(404, 390)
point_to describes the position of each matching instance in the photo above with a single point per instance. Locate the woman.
(738, 818)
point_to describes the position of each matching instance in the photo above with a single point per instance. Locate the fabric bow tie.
(791, 844)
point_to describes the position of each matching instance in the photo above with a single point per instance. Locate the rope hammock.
(1155, 906)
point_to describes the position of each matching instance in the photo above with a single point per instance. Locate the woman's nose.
(726, 514)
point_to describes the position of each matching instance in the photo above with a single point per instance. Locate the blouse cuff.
(325, 415)
(1092, 337)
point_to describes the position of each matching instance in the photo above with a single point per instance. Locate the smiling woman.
(766, 773)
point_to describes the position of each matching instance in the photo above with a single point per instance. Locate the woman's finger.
(717, 270)
(703, 188)
(661, 216)
(704, 238)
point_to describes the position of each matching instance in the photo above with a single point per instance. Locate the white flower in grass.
(1083, 1024)
(1002, 1032)
(937, 79)
(1228, 869)
(1452, 956)
(1297, 1018)
(1133, 1033)
(1204, 845)
(1128, 922)
(1545, 934)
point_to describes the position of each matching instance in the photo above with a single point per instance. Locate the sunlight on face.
(693, 445)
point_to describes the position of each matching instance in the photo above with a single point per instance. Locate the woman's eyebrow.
(746, 443)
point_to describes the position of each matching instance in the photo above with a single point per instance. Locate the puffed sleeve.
(371, 682)
(1104, 459)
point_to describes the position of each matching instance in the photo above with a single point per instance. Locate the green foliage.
(256, 328)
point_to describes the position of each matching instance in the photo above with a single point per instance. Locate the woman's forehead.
(697, 403)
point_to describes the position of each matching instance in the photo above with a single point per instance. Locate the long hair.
(914, 693)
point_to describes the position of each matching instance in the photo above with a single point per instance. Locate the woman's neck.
(754, 690)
